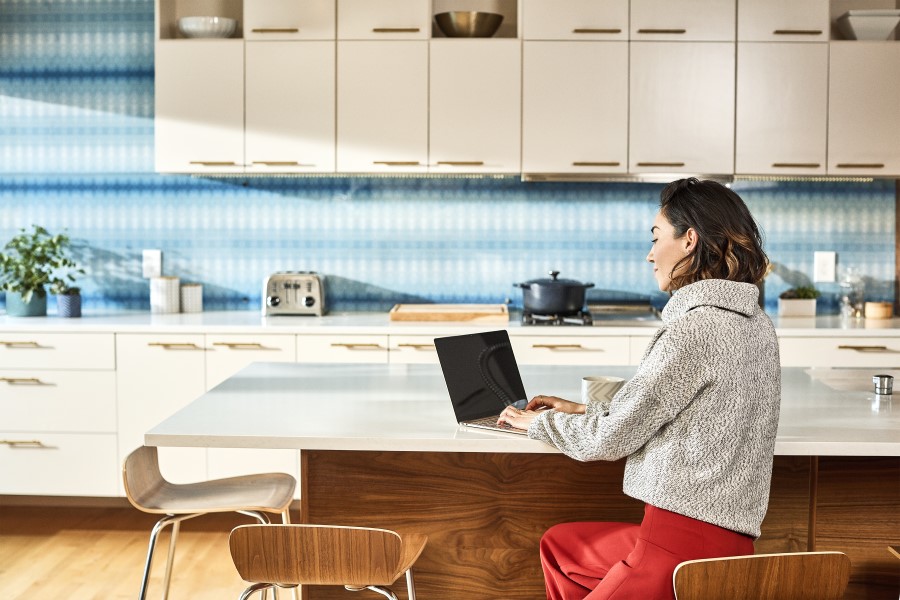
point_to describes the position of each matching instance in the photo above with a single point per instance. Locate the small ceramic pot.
(68, 305)
(36, 307)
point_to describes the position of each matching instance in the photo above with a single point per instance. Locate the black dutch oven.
(553, 296)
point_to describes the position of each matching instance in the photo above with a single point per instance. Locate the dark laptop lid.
(481, 373)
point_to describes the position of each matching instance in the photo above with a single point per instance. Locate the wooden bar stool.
(798, 576)
(358, 558)
(148, 491)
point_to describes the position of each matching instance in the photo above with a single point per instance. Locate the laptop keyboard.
(491, 423)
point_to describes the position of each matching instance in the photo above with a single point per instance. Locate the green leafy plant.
(31, 261)
(803, 292)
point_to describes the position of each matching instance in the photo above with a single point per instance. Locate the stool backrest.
(321, 554)
(798, 576)
(142, 476)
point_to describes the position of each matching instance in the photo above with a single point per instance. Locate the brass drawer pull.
(592, 30)
(559, 346)
(279, 163)
(417, 346)
(660, 164)
(595, 164)
(214, 163)
(654, 31)
(23, 381)
(796, 165)
(860, 165)
(866, 348)
(396, 30)
(275, 30)
(176, 345)
(351, 346)
(242, 345)
(21, 344)
(797, 32)
(461, 163)
(398, 163)
(24, 443)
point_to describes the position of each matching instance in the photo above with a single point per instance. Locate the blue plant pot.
(36, 307)
(68, 306)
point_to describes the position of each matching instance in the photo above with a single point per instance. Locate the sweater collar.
(720, 293)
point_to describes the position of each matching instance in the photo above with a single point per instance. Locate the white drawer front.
(47, 464)
(342, 348)
(636, 347)
(59, 401)
(413, 349)
(228, 354)
(57, 351)
(839, 352)
(574, 350)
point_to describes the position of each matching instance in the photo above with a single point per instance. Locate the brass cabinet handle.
(417, 346)
(461, 163)
(559, 346)
(797, 32)
(593, 30)
(662, 30)
(214, 163)
(275, 30)
(860, 165)
(176, 345)
(23, 381)
(24, 443)
(396, 30)
(397, 163)
(796, 165)
(351, 346)
(595, 164)
(660, 164)
(279, 163)
(241, 345)
(866, 348)
(21, 344)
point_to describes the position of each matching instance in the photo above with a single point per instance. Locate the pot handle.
(521, 285)
(588, 285)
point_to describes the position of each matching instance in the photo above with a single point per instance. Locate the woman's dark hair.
(729, 245)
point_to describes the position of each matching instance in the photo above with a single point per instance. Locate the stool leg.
(176, 527)
(255, 588)
(386, 592)
(410, 585)
(154, 535)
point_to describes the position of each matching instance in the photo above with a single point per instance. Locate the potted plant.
(29, 263)
(798, 302)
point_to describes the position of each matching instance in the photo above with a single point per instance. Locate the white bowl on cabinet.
(868, 24)
(207, 27)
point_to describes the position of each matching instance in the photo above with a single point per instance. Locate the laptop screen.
(481, 373)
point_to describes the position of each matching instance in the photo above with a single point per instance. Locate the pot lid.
(555, 281)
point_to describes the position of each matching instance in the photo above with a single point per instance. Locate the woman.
(697, 422)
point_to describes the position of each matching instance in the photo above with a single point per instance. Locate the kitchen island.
(380, 447)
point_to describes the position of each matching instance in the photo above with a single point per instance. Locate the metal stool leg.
(176, 526)
(255, 588)
(410, 585)
(154, 536)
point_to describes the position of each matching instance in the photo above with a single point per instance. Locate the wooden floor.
(64, 553)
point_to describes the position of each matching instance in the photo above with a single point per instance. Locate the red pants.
(622, 561)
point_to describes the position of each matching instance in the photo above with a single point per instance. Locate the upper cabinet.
(384, 20)
(780, 21)
(864, 109)
(683, 20)
(288, 20)
(575, 20)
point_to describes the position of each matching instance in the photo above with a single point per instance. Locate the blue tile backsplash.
(76, 153)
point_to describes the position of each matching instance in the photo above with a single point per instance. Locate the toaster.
(293, 293)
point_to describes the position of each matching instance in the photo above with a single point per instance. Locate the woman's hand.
(521, 419)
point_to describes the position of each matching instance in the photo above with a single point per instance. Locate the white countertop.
(379, 323)
(407, 408)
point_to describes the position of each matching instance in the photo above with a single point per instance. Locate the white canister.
(191, 297)
(165, 295)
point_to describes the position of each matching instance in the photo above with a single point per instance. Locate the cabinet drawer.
(409, 349)
(580, 20)
(342, 348)
(57, 351)
(636, 347)
(383, 20)
(228, 354)
(58, 464)
(289, 20)
(839, 352)
(575, 350)
(58, 401)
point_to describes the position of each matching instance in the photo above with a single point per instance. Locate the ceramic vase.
(36, 307)
(796, 307)
(68, 305)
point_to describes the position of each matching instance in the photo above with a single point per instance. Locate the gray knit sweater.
(698, 420)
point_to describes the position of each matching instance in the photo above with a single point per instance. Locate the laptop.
(482, 378)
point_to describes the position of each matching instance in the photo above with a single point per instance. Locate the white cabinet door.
(475, 106)
(782, 112)
(342, 348)
(200, 106)
(780, 21)
(38, 350)
(838, 352)
(575, 20)
(413, 349)
(683, 20)
(382, 122)
(575, 107)
(289, 20)
(682, 107)
(570, 350)
(226, 354)
(158, 375)
(290, 120)
(864, 109)
(59, 464)
(383, 19)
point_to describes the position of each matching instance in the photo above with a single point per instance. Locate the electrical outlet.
(152, 263)
(824, 266)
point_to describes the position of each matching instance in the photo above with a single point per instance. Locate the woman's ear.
(690, 240)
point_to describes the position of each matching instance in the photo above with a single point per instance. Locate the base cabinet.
(58, 464)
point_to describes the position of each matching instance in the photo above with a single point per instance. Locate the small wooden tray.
(479, 313)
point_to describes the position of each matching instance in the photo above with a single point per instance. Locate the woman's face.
(667, 250)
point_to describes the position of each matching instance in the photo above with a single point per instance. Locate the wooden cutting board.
(479, 313)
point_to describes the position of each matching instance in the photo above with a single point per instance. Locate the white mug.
(600, 387)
